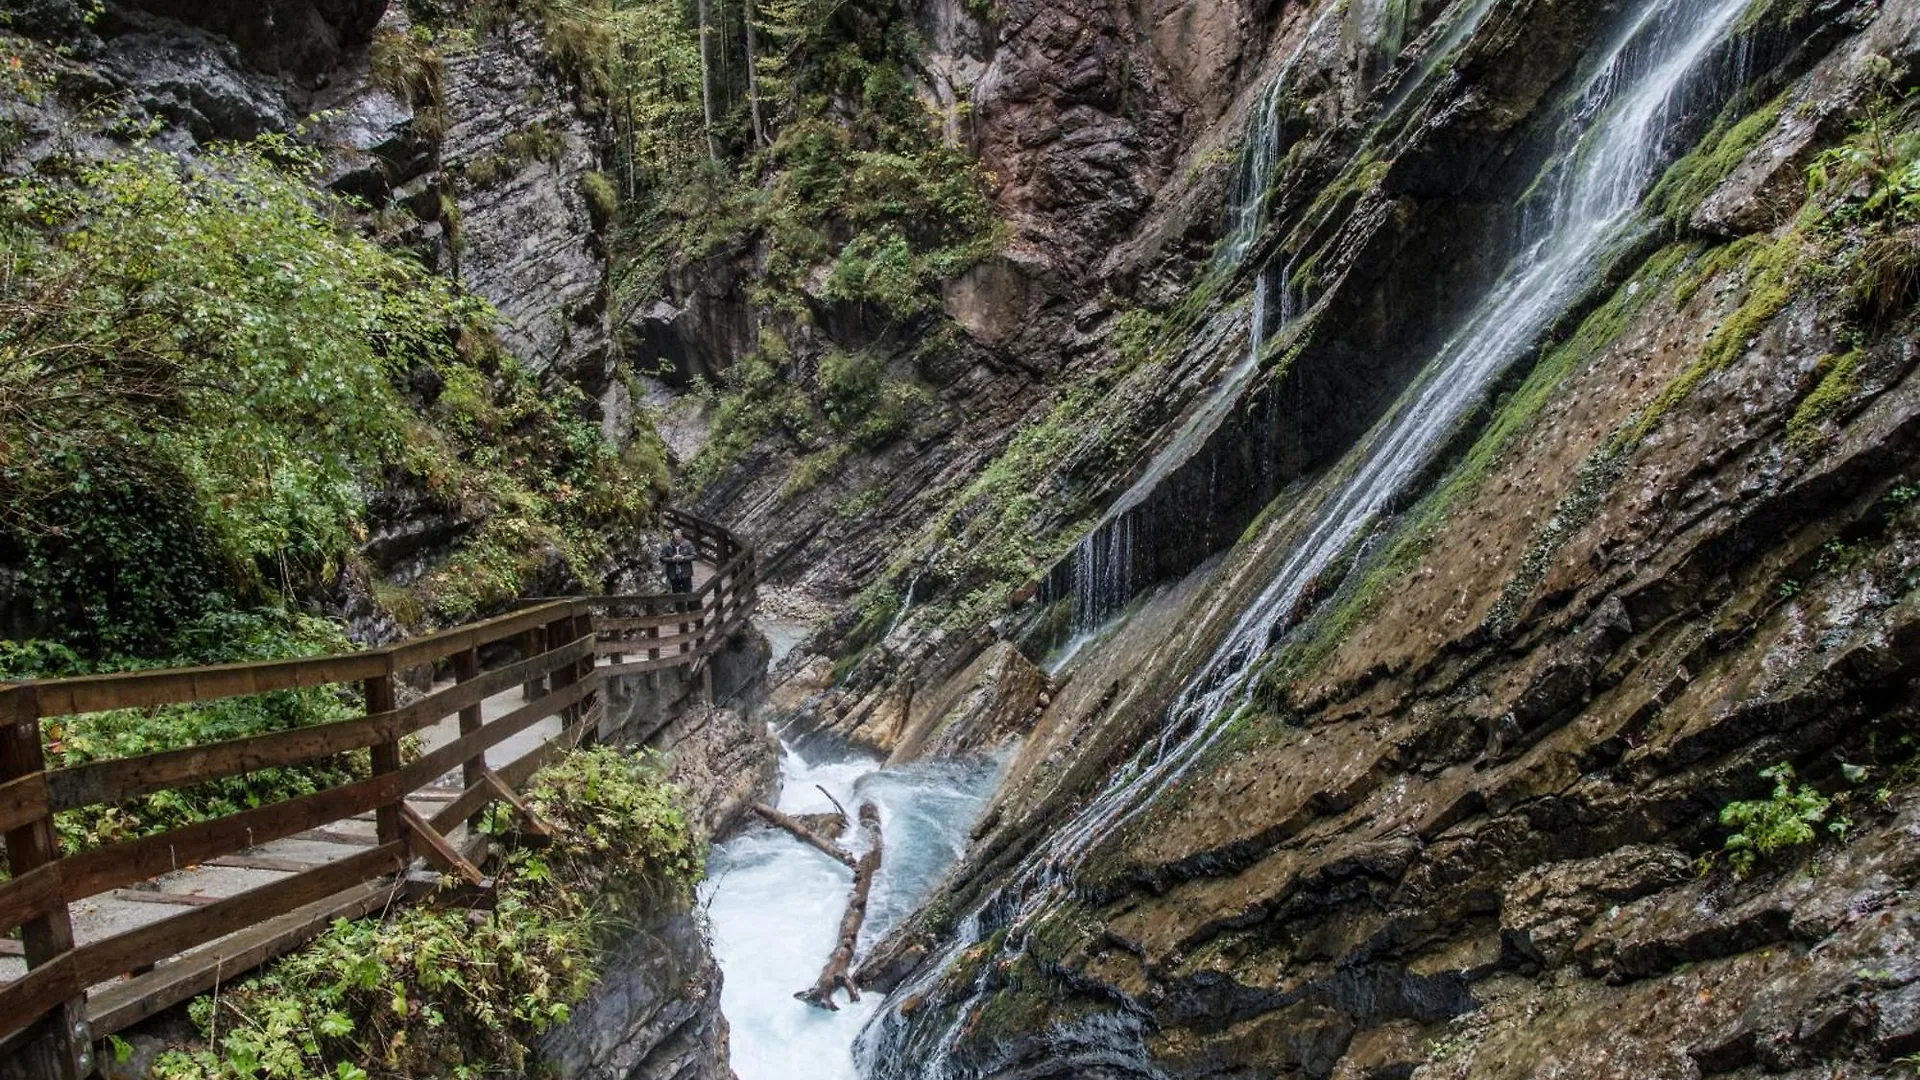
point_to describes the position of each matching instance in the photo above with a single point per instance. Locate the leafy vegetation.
(789, 128)
(446, 992)
(203, 370)
(1794, 815)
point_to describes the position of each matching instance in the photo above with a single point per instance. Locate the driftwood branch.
(835, 975)
(805, 835)
(844, 816)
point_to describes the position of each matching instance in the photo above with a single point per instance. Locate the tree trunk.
(706, 77)
(835, 975)
(753, 75)
(805, 835)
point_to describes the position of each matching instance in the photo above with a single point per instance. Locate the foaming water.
(1620, 126)
(775, 904)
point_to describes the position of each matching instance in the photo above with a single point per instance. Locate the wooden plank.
(119, 1007)
(330, 836)
(642, 667)
(135, 861)
(439, 646)
(42, 990)
(427, 842)
(23, 799)
(638, 622)
(536, 825)
(432, 766)
(265, 862)
(128, 778)
(143, 689)
(516, 773)
(219, 917)
(462, 695)
(154, 896)
(471, 802)
(608, 648)
(29, 896)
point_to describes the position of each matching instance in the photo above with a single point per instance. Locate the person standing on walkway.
(676, 560)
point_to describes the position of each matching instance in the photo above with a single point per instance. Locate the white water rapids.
(774, 904)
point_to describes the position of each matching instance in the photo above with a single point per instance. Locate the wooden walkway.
(111, 936)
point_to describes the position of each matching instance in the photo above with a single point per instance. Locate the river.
(774, 904)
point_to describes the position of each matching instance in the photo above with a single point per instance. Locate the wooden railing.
(550, 648)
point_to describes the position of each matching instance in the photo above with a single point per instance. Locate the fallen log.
(835, 975)
(805, 835)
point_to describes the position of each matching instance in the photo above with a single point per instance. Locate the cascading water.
(1103, 562)
(1618, 130)
(775, 904)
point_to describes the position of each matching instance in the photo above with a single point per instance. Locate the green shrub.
(203, 371)
(212, 331)
(603, 203)
(1788, 818)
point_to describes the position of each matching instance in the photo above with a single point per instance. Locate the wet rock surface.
(1474, 829)
(655, 1015)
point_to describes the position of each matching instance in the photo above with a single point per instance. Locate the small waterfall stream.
(1103, 562)
(1616, 140)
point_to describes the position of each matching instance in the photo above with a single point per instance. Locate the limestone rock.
(994, 698)
(654, 1016)
(194, 80)
(525, 238)
(1549, 907)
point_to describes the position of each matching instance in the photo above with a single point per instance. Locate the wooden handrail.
(558, 643)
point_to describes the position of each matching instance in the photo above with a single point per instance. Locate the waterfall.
(1615, 143)
(1103, 576)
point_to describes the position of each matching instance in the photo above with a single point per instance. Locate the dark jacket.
(678, 555)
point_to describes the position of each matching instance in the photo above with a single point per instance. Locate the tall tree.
(753, 74)
(706, 77)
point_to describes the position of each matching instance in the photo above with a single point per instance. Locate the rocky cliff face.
(478, 151)
(1465, 811)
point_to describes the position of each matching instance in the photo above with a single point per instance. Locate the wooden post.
(583, 671)
(473, 771)
(567, 674)
(532, 644)
(69, 1041)
(386, 755)
(653, 633)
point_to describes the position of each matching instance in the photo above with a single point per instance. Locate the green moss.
(1138, 336)
(1771, 271)
(1838, 383)
(521, 147)
(814, 468)
(1690, 180)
